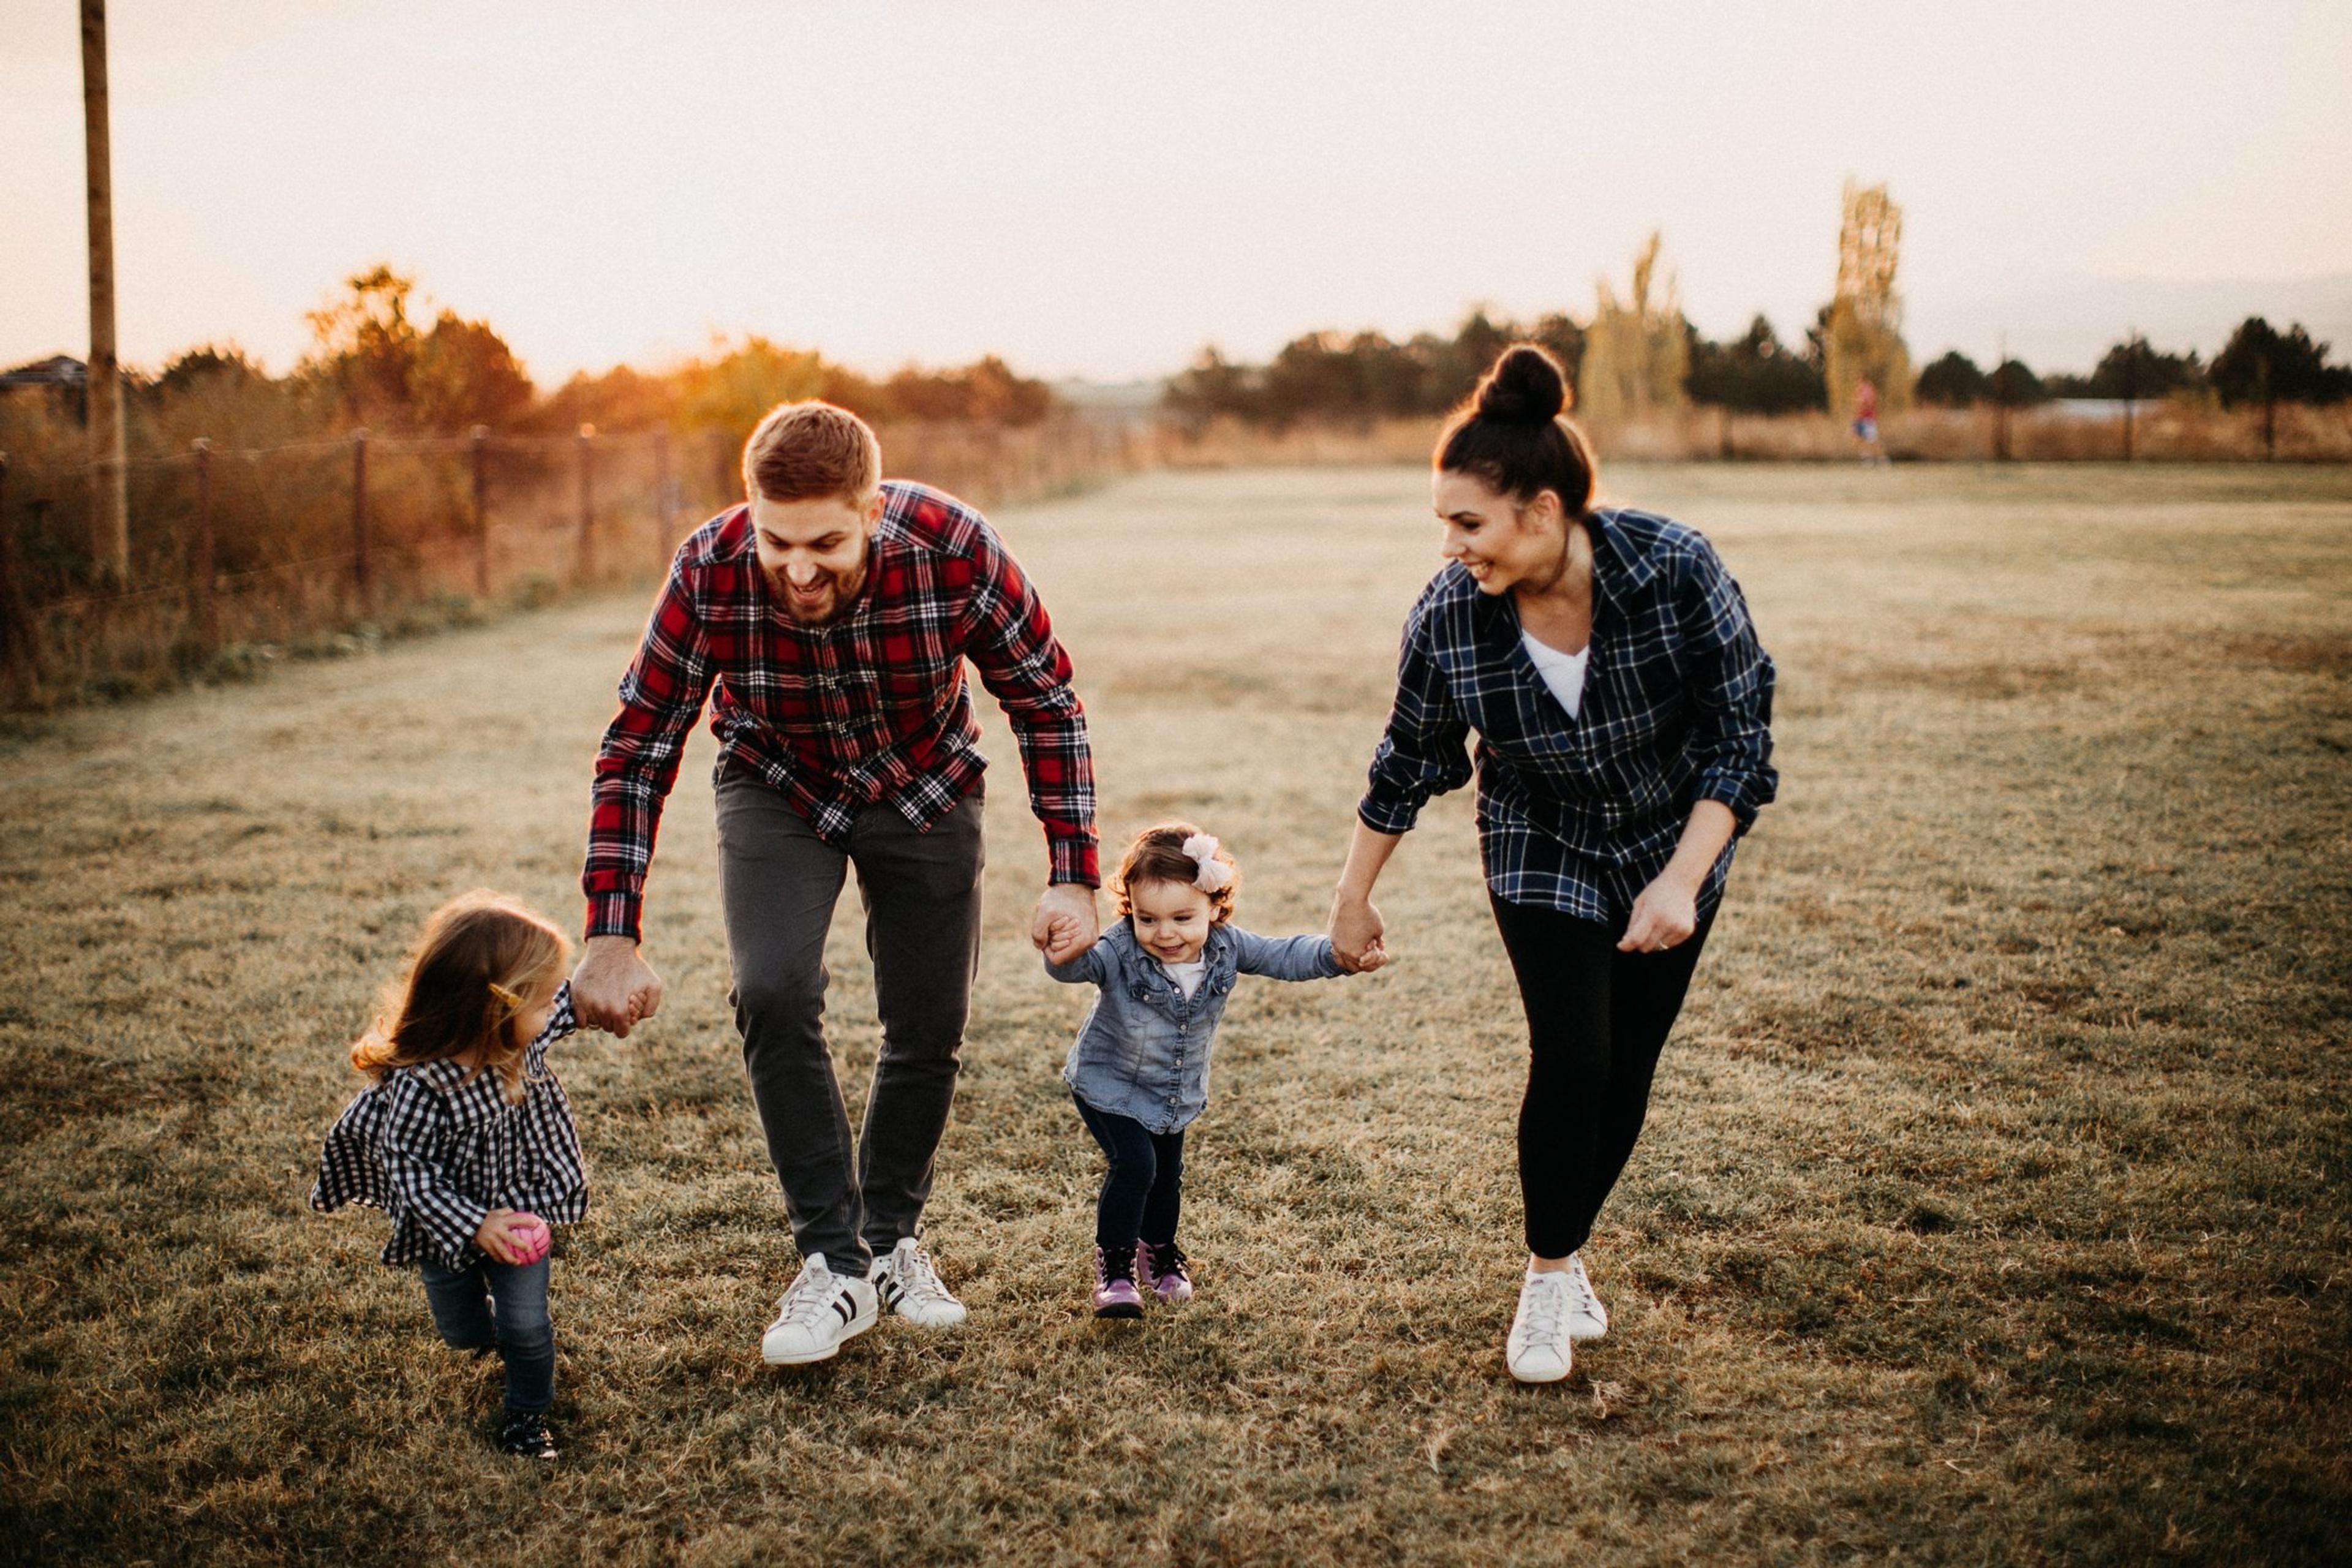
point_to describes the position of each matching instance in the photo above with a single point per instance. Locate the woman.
(1621, 703)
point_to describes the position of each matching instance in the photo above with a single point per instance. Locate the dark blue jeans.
(496, 1304)
(1143, 1194)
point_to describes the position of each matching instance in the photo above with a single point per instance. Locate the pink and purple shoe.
(1159, 1266)
(1115, 1295)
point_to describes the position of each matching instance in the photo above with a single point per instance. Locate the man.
(827, 622)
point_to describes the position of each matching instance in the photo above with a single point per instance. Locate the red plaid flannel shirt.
(869, 708)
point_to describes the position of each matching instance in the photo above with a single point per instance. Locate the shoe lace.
(917, 1275)
(807, 1297)
(1543, 1307)
(1167, 1260)
(1116, 1265)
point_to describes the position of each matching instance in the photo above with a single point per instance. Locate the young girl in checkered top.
(466, 1140)
(1140, 1071)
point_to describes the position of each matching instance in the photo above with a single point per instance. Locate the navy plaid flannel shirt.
(437, 1152)
(869, 707)
(1579, 814)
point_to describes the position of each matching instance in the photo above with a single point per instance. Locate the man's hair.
(805, 450)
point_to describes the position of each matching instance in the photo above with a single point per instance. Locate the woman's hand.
(1664, 916)
(1356, 933)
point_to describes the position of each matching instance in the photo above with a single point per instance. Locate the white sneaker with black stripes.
(816, 1313)
(910, 1287)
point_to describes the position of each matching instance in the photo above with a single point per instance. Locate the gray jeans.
(778, 883)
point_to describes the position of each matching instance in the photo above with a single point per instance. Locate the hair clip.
(505, 995)
(1213, 875)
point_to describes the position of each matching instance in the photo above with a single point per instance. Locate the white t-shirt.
(1187, 976)
(1564, 672)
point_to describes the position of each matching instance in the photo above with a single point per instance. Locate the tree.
(1954, 382)
(1753, 373)
(1211, 387)
(1636, 352)
(1861, 333)
(463, 374)
(2015, 386)
(2260, 364)
(365, 346)
(2132, 369)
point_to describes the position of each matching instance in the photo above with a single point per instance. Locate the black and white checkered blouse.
(438, 1152)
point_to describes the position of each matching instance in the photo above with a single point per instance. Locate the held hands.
(615, 989)
(512, 1238)
(1664, 916)
(1065, 924)
(1357, 935)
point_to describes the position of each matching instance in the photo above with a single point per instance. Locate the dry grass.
(1992, 1209)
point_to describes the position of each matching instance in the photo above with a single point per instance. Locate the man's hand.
(1357, 934)
(1064, 925)
(615, 988)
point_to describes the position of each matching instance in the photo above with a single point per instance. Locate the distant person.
(465, 1138)
(1139, 1069)
(826, 621)
(1865, 419)
(1605, 660)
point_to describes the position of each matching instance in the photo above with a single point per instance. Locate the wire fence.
(245, 554)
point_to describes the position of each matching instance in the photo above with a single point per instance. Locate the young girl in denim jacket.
(464, 1139)
(1140, 1071)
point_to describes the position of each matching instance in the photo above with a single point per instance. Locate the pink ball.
(532, 1237)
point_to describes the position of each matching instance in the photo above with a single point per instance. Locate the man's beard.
(844, 587)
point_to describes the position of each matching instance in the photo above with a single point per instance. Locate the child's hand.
(1376, 956)
(512, 1238)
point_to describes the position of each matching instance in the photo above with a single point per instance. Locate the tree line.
(373, 363)
(1357, 377)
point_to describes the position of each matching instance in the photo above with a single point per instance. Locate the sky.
(1099, 190)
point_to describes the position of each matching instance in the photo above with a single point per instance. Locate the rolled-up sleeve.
(1425, 750)
(1730, 681)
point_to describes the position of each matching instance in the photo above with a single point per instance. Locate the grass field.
(1992, 1208)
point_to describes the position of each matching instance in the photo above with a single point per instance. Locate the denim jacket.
(1143, 1050)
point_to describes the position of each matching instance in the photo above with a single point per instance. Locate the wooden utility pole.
(110, 484)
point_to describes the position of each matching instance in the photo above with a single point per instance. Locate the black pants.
(778, 883)
(1143, 1194)
(1597, 1019)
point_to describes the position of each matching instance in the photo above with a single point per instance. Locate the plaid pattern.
(438, 1152)
(871, 708)
(1578, 815)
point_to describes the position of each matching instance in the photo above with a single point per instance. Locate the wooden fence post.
(481, 513)
(362, 578)
(587, 504)
(208, 612)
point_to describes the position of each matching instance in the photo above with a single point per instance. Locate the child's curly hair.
(1158, 856)
(481, 960)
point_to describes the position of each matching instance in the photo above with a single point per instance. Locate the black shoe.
(526, 1434)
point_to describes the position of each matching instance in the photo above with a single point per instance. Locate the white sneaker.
(910, 1287)
(1538, 1348)
(816, 1313)
(1587, 1318)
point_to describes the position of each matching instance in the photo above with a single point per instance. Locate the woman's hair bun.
(1525, 388)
